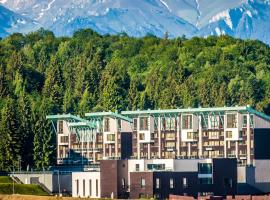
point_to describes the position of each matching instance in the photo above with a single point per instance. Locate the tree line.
(41, 74)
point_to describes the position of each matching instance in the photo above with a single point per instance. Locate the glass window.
(135, 124)
(111, 137)
(185, 182)
(137, 167)
(204, 121)
(155, 166)
(171, 183)
(231, 120)
(205, 168)
(106, 124)
(144, 123)
(244, 120)
(251, 120)
(142, 136)
(142, 183)
(229, 134)
(213, 135)
(157, 183)
(119, 123)
(191, 135)
(60, 127)
(123, 183)
(214, 122)
(187, 122)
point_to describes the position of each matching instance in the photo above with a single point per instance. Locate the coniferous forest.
(41, 74)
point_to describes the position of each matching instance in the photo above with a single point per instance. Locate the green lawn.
(6, 187)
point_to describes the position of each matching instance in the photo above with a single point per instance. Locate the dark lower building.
(215, 177)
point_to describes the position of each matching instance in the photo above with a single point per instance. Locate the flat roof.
(66, 117)
(158, 112)
(108, 114)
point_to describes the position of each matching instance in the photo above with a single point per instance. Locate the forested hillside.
(41, 74)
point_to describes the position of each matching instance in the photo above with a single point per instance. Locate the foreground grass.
(7, 188)
(29, 197)
(5, 179)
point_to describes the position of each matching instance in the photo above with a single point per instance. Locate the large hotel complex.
(227, 132)
(154, 153)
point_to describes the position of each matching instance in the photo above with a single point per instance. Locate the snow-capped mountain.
(239, 18)
(12, 22)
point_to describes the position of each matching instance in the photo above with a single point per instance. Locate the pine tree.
(53, 88)
(26, 129)
(11, 145)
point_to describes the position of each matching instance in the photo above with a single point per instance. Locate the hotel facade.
(238, 133)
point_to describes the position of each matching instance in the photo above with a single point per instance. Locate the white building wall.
(79, 191)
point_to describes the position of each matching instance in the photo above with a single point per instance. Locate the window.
(205, 168)
(187, 122)
(171, 183)
(170, 136)
(155, 166)
(111, 137)
(185, 183)
(119, 123)
(123, 183)
(205, 181)
(142, 136)
(170, 145)
(231, 121)
(135, 124)
(157, 183)
(96, 187)
(137, 167)
(169, 123)
(244, 120)
(155, 124)
(213, 135)
(204, 121)
(228, 134)
(77, 186)
(106, 124)
(90, 187)
(142, 183)
(251, 120)
(214, 122)
(83, 187)
(64, 139)
(144, 123)
(191, 135)
(60, 128)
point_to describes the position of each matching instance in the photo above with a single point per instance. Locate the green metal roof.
(260, 114)
(108, 114)
(90, 125)
(65, 117)
(196, 111)
(186, 110)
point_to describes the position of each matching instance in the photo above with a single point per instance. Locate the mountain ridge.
(238, 18)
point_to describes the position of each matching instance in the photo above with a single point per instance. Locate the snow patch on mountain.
(166, 5)
(225, 15)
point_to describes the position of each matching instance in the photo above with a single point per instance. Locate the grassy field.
(5, 179)
(29, 197)
(6, 187)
